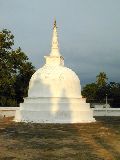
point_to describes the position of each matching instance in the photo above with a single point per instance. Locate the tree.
(15, 71)
(96, 92)
(101, 79)
(89, 92)
(114, 93)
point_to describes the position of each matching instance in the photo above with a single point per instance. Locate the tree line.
(96, 92)
(15, 71)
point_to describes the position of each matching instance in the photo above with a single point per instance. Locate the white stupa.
(54, 94)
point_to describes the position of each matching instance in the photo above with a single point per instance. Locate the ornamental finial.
(55, 44)
(55, 24)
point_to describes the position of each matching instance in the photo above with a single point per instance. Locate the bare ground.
(92, 141)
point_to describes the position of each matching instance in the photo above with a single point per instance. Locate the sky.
(88, 30)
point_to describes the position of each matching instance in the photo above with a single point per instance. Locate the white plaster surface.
(54, 94)
(8, 111)
(54, 81)
(100, 106)
(106, 111)
(11, 111)
(55, 110)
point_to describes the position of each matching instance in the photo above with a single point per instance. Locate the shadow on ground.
(92, 141)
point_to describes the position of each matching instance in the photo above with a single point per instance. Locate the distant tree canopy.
(101, 79)
(15, 71)
(96, 92)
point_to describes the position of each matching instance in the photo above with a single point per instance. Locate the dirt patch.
(92, 141)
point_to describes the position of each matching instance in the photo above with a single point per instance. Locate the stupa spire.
(55, 44)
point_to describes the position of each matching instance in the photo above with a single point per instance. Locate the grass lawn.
(92, 141)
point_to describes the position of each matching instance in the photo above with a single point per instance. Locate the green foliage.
(114, 93)
(15, 71)
(96, 92)
(90, 91)
(101, 79)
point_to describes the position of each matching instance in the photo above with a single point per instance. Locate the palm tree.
(101, 79)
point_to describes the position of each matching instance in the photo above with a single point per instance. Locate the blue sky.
(89, 33)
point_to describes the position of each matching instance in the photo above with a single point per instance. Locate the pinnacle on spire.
(55, 44)
(55, 24)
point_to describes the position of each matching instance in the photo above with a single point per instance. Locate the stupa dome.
(54, 81)
(54, 94)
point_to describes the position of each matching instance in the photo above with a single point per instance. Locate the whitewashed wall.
(106, 112)
(10, 111)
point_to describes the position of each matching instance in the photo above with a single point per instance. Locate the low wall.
(10, 111)
(106, 112)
